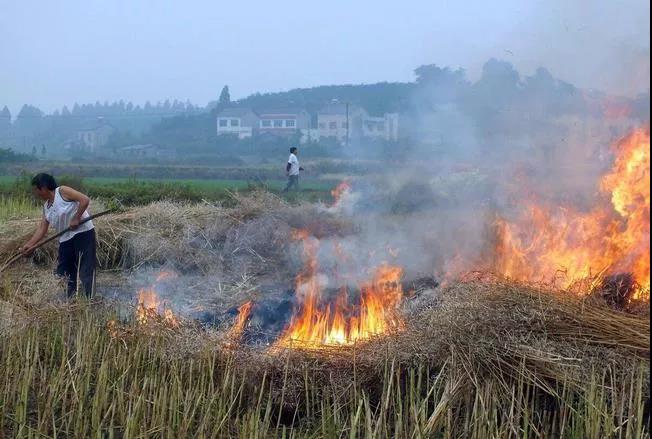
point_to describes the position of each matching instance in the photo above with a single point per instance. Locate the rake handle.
(17, 256)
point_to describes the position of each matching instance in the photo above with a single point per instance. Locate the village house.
(340, 121)
(283, 122)
(241, 122)
(245, 122)
(94, 135)
(385, 127)
(346, 122)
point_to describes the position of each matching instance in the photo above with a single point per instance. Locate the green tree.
(225, 98)
(34, 150)
(5, 120)
(29, 120)
(8, 155)
(43, 150)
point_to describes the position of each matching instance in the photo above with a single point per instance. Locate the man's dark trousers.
(293, 181)
(77, 258)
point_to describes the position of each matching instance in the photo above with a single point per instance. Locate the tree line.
(440, 107)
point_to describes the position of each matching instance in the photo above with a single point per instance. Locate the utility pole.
(347, 124)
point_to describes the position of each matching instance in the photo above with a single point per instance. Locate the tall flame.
(568, 245)
(341, 322)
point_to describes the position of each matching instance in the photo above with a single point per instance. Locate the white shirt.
(61, 212)
(294, 165)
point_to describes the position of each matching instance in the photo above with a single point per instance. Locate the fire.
(566, 245)
(244, 311)
(150, 307)
(339, 191)
(342, 322)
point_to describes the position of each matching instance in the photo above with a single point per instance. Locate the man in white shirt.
(66, 209)
(292, 170)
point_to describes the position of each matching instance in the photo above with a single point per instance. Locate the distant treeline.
(33, 128)
(9, 156)
(441, 110)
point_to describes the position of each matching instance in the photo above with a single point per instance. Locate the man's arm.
(72, 195)
(39, 234)
(288, 166)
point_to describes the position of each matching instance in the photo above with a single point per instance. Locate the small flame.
(339, 192)
(149, 306)
(244, 311)
(342, 322)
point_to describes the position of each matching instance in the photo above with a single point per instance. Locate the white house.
(340, 121)
(385, 127)
(245, 122)
(346, 122)
(283, 122)
(241, 122)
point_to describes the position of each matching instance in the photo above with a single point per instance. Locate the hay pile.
(250, 238)
(490, 328)
(503, 328)
(474, 333)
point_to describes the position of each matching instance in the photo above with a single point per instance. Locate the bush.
(74, 181)
(9, 156)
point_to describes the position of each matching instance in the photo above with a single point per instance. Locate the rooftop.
(288, 111)
(235, 112)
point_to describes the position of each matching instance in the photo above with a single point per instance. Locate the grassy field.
(15, 207)
(202, 184)
(17, 202)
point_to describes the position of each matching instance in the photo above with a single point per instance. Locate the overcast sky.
(60, 52)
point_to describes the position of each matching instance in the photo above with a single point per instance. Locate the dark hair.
(43, 180)
(293, 150)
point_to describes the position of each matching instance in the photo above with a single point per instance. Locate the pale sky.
(60, 52)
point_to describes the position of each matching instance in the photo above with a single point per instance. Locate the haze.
(57, 53)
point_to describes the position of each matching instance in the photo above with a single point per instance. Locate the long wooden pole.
(17, 256)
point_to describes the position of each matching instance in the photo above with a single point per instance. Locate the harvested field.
(479, 357)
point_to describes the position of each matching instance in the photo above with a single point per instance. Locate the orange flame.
(241, 320)
(149, 306)
(341, 322)
(339, 190)
(569, 246)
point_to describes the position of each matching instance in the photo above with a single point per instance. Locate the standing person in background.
(65, 207)
(292, 170)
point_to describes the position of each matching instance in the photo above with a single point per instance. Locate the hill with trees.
(33, 128)
(441, 107)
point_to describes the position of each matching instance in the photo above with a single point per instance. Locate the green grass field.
(17, 202)
(6, 181)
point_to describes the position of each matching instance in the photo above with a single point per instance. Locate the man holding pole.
(66, 209)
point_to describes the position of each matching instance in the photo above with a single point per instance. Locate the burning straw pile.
(483, 357)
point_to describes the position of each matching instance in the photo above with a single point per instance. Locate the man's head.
(294, 150)
(42, 185)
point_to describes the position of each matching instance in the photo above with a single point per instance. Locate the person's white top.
(61, 212)
(294, 165)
